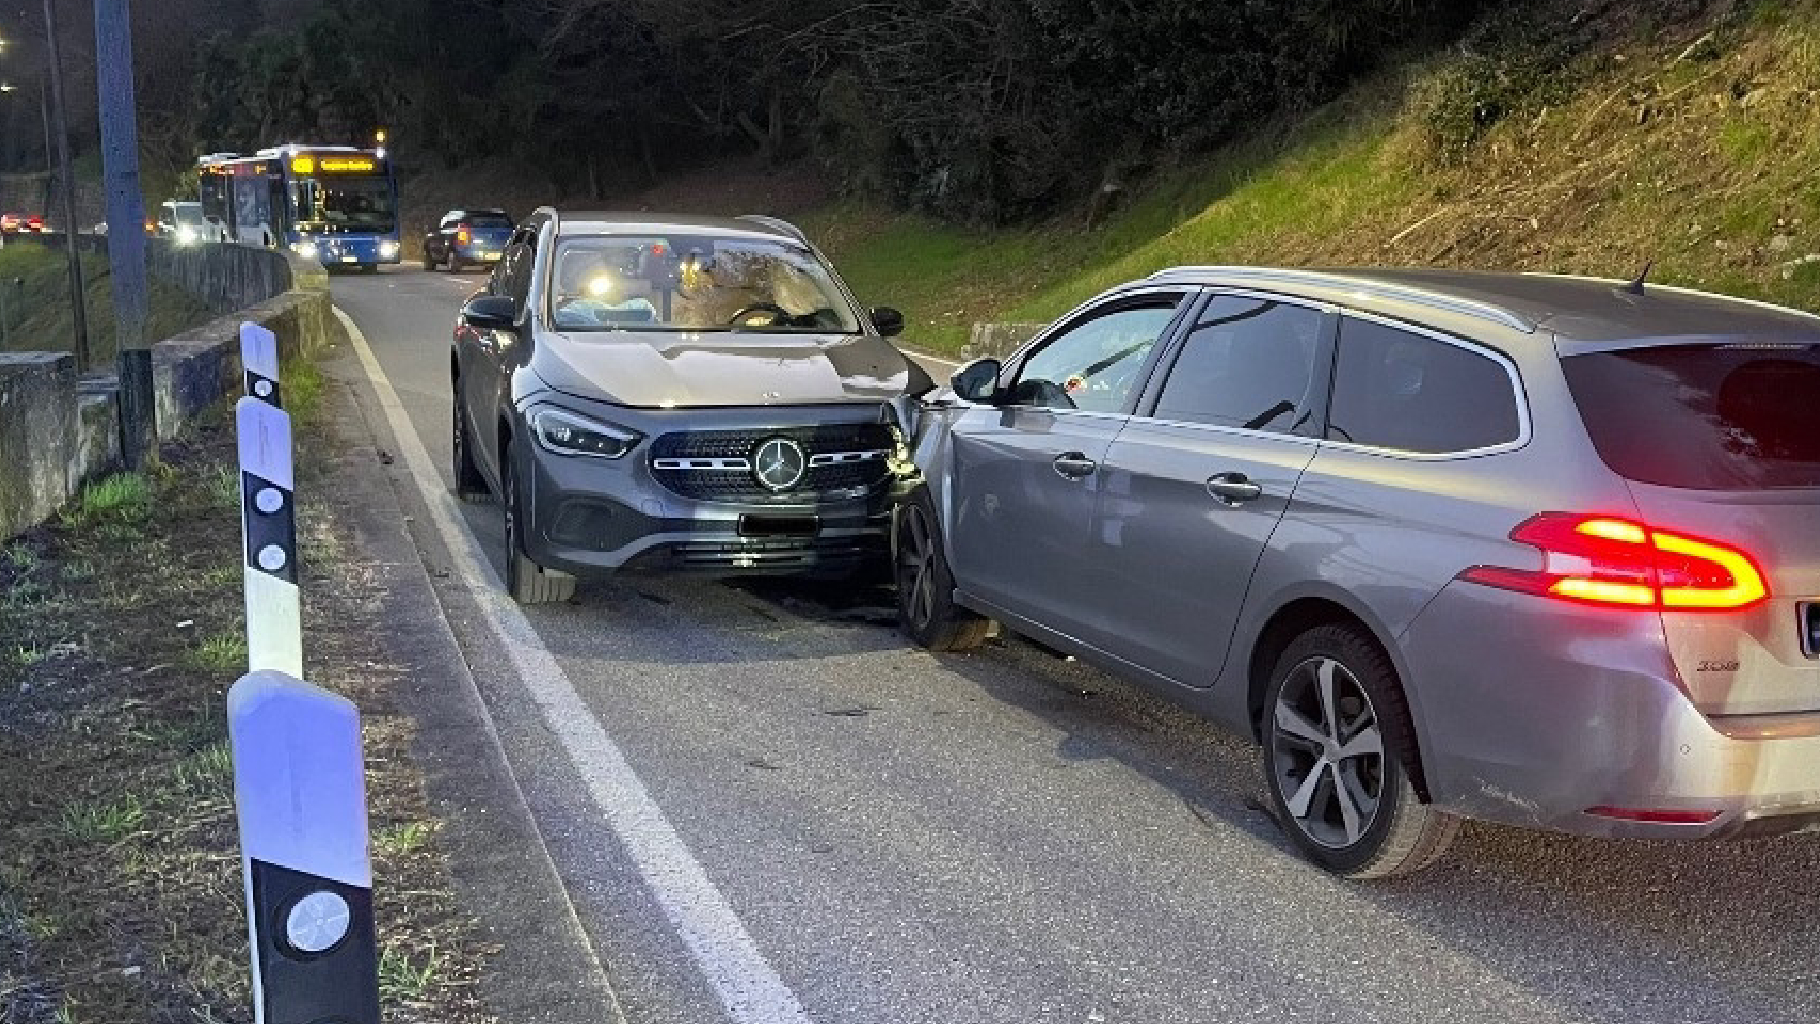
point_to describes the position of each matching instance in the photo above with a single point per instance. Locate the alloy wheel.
(916, 567)
(1327, 753)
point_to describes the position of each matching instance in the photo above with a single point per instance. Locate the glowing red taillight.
(1616, 562)
(461, 236)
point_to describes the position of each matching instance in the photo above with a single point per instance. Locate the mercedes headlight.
(567, 433)
(388, 249)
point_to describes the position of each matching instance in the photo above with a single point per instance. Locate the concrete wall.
(58, 431)
(37, 436)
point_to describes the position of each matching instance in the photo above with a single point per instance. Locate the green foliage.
(1523, 57)
(979, 110)
(120, 498)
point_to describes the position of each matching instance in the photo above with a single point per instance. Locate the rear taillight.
(1606, 560)
(461, 236)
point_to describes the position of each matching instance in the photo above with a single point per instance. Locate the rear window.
(489, 220)
(1706, 417)
(1408, 392)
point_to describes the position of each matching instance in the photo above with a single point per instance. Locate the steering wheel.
(779, 315)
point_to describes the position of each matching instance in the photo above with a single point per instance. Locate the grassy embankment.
(1695, 150)
(37, 308)
(121, 627)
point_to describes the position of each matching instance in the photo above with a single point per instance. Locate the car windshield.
(187, 215)
(1708, 417)
(694, 283)
(489, 220)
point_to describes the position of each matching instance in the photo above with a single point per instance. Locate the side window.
(1247, 363)
(1397, 389)
(1095, 365)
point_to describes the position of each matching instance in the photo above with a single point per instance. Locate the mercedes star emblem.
(779, 464)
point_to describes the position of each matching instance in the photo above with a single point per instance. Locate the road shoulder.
(545, 968)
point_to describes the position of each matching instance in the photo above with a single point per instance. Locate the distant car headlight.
(186, 235)
(388, 249)
(566, 433)
(306, 249)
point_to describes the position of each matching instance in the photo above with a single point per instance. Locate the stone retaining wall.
(57, 431)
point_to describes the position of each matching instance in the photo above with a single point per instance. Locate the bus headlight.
(186, 235)
(305, 248)
(388, 249)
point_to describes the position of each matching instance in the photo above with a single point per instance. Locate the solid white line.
(749, 988)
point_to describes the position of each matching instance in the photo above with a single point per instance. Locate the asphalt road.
(1006, 837)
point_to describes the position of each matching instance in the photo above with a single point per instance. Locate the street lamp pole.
(78, 308)
(125, 230)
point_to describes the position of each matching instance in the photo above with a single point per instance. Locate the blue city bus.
(331, 203)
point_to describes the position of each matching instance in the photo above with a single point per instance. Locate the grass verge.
(120, 631)
(35, 303)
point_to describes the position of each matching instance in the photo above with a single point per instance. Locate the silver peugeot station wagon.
(1529, 549)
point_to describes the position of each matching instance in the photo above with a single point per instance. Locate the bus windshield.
(354, 203)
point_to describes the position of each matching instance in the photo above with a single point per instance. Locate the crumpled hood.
(679, 369)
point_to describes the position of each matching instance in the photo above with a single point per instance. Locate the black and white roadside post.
(299, 785)
(259, 358)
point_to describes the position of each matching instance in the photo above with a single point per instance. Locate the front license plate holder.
(760, 525)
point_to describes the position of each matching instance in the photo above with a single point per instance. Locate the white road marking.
(749, 988)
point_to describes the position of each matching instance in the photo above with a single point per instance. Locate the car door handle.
(1074, 465)
(1233, 488)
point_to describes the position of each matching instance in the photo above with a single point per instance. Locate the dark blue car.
(467, 237)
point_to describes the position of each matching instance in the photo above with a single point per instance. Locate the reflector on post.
(259, 359)
(300, 794)
(274, 619)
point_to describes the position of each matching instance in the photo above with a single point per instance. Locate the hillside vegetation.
(1694, 148)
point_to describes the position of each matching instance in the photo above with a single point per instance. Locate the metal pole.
(44, 110)
(78, 308)
(125, 225)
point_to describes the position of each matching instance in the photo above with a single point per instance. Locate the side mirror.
(977, 381)
(890, 322)
(491, 313)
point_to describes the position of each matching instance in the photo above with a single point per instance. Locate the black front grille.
(1810, 628)
(819, 483)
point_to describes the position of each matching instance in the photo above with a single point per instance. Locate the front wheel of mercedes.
(526, 581)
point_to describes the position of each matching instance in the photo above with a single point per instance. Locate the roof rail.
(776, 224)
(1380, 289)
(1675, 290)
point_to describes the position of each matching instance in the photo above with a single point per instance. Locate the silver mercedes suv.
(678, 394)
(1528, 549)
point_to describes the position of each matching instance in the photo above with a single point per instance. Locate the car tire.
(925, 585)
(470, 486)
(526, 581)
(1333, 690)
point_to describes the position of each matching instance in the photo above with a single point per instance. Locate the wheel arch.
(1298, 616)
